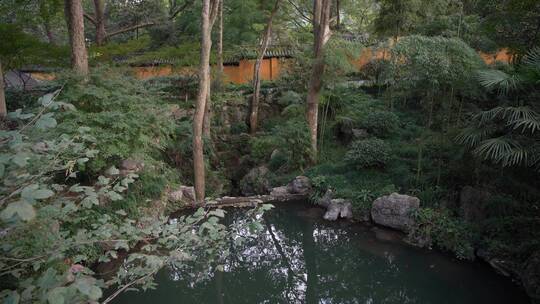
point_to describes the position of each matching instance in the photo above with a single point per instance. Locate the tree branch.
(90, 18)
(131, 28)
(175, 12)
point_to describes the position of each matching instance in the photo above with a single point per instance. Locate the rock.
(346, 210)
(530, 276)
(326, 200)
(473, 203)
(332, 213)
(279, 192)
(255, 182)
(175, 196)
(359, 133)
(183, 194)
(338, 208)
(188, 194)
(504, 267)
(395, 211)
(130, 166)
(300, 185)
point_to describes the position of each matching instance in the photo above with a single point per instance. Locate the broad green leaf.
(12, 297)
(46, 99)
(114, 196)
(32, 192)
(103, 181)
(23, 209)
(20, 160)
(217, 212)
(46, 122)
(112, 171)
(90, 201)
(56, 295)
(87, 287)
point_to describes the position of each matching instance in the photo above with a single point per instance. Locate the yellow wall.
(271, 68)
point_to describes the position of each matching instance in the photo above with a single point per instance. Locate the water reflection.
(301, 259)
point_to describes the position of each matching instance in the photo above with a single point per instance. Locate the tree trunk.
(3, 108)
(208, 112)
(75, 23)
(101, 32)
(254, 116)
(338, 16)
(321, 33)
(220, 46)
(208, 13)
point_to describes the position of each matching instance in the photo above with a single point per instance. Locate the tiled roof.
(251, 53)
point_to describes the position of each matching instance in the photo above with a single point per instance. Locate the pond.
(300, 258)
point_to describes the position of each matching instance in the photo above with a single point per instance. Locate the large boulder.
(184, 194)
(300, 185)
(395, 211)
(473, 203)
(255, 182)
(530, 277)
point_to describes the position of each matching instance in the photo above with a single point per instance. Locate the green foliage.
(434, 64)
(20, 49)
(187, 54)
(293, 135)
(127, 121)
(118, 50)
(367, 153)
(380, 123)
(57, 221)
(508, 134)
(437, 227)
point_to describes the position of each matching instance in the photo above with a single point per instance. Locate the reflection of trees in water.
(295, 260)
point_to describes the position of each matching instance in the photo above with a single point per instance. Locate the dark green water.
(303, 259)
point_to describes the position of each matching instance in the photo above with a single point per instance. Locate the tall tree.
(208, 16)
(3, 108)
(321, 34)
(75, 23)
(254, 116)
(220, 44)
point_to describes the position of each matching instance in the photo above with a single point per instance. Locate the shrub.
(437, 227)
(379, 123)
(290, 138)
(289, 97)
(368, 153)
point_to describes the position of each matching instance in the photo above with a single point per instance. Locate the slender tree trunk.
(220, 46)
(208, 112)
(208, 13)
(3, 108)
(75, 23)
(321, 32)
(254, 116)
(101, 32)
(338, 16)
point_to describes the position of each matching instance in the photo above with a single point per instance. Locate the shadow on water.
(300, 258)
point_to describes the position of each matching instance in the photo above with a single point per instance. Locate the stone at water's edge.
(338, 208)
(335, 208)
(300, 185)
(395, 211)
